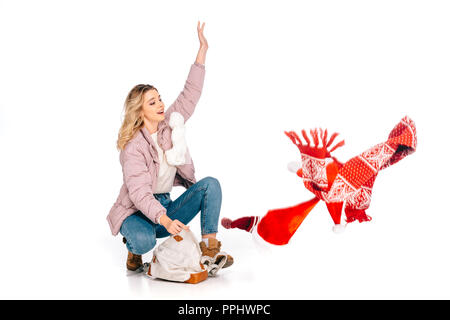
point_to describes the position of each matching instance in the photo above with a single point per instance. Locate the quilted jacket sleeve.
(138, 180)
(188, 98)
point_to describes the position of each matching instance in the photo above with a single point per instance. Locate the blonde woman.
(154, 158)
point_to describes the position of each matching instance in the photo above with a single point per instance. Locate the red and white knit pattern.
(354, 180)
(314, 172)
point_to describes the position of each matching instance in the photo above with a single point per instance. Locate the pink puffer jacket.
(140, 163)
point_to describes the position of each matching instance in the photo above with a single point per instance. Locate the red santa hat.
(277, 226)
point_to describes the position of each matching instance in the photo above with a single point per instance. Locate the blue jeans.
(204, 196)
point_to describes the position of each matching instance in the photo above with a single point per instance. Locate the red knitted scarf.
(342, 186)
(349, 185)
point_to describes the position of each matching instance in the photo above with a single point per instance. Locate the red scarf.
(341, 186)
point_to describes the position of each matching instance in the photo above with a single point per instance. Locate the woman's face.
(153, 108)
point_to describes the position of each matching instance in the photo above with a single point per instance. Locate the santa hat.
(277, 226)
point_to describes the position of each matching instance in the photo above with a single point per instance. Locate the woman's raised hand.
(201, 55)
(201, 37)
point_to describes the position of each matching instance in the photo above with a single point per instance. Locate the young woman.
(154, 158)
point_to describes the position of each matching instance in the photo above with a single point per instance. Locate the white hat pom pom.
(339, 228)
(294, 166)
(176, 120)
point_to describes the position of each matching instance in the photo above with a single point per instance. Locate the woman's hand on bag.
(172, 226)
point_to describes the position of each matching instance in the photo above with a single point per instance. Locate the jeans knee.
(212, 185)
(143, 243)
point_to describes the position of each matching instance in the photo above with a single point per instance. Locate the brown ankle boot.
(134, 261)
(212, 249)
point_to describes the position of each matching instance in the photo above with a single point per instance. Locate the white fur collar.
(177, 155)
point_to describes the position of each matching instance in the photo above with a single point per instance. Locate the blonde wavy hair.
(132, 120)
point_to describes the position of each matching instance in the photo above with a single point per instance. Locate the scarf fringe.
(353, 215)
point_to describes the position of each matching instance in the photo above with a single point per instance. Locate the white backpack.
(179, 258)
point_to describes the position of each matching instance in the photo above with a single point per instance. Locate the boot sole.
(133, 268)
(227, 264)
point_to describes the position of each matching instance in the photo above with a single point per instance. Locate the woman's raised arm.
(188, 98)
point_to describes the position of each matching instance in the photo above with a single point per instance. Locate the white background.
(356, 67)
